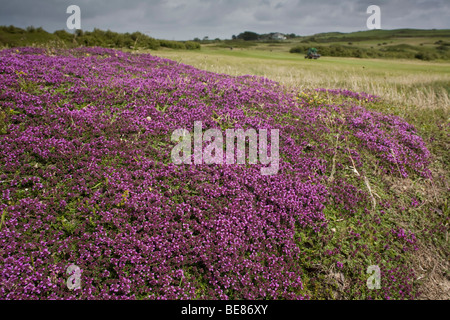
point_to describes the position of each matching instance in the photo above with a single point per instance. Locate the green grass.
(381, 34)
(425, 84)
(398, 44)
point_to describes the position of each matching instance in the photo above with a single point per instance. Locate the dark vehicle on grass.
(312, 54)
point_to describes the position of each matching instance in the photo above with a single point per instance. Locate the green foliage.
(191, 45)
(3, 122)
(15, 37)
(12, 29)
(64, 35)
(248, 36)
(172, 44)
(375, 35)
(398, 43)
(402, 51)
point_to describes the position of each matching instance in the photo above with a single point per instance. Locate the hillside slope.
(87, 179)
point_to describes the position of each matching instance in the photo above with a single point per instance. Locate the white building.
(278, 36)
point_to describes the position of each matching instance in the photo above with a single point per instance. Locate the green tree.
(248, 36)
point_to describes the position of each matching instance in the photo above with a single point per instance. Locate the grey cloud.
(183, 19)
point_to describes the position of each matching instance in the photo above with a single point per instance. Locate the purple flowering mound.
(87, 179)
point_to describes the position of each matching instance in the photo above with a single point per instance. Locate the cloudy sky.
(187, 19)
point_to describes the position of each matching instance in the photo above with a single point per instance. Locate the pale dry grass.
(432, 270)
(421, 89)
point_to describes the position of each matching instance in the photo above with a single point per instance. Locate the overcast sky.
(187, 19)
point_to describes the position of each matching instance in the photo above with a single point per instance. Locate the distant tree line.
(13, 36)
(403, 51)
(369, 35)
(246, 36)
(253, 36)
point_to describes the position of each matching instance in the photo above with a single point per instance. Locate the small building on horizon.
(278, 36)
